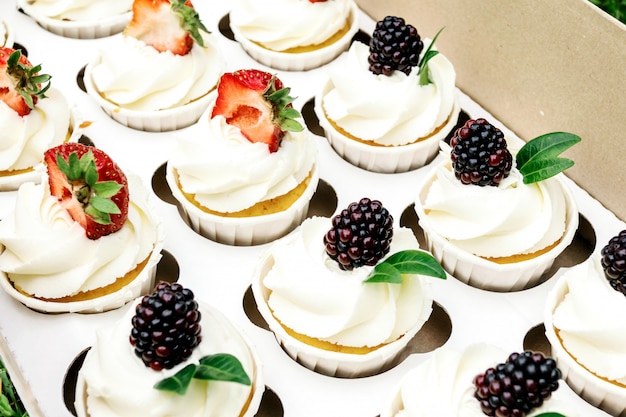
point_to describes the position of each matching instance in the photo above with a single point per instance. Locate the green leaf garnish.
(218, 367)
(190, 20)
(428, 55)
(409, 262)
(538, 159)
(550, 414)
(28, 80)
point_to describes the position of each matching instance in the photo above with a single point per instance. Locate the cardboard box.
(569, 82)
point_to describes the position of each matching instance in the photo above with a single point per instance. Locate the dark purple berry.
(479, 154)
(614, 262)
(394, 46)
(166, 326)
(360, 234)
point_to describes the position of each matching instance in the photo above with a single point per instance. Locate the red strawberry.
(317, 1)
(20, 82)
(166, 25)
(258, 105)
(90, 186)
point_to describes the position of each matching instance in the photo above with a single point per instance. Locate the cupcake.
(294, 35)
(245, 173)
(34, 117)
(583, 326)
(84, 240)
(82, 19)
(495, 221)
(344, 296)
(157, 74)
(7, 36)
(386, 107)
(456, 383)
(208, 369)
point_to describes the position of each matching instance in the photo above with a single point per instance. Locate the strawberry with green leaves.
(90, 186)
(166, 25)
(20, 81)
(258, 104)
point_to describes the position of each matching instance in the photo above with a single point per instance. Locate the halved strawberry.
(20, 82)
(166, 26)
(258, 104)
(90, 186)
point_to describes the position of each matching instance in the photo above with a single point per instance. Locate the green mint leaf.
(104, 205)
(179, 382)
(428, 55)
(106, 189)
(222, 367)
(538, 159)
(550, 414)
(410, 262)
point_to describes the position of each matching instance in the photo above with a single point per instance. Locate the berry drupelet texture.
(166, 326)
(614, 262)
(360, 235)
(479, 154)
(514, 388)
(394, 46)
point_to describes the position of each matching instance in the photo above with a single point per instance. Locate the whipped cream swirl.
(589, 324)
(512, 218)
(45, 253)
(333, 305)
(228, 173)
(443, 386)
(389, 110)
(77, 10)
(120, 385)
(283, 24)
(136, 76)
(23, 140)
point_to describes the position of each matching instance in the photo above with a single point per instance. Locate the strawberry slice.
(90, 186)
(20, 82)
(258, 104)
(166, 26)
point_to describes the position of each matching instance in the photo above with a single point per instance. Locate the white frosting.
(512, 218)
(120, 385)
(311, 295)
(77, 10)
(136, 76)
(47, 254)
(443, 386)
(283, 24)
(590, 321)
(23, 140)
(228, 173)
(389, 110)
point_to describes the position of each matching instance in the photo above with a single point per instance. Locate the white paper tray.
(44, 346)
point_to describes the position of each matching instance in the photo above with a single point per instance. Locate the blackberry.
(517, 386)
(394, 46)
(166, 326)
(479, 154)
(614, 262)
(360, 234)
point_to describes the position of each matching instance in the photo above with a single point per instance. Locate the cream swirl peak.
(396, 110)
(280, 25)
(23, 140)
(45, 253)
(136, 76)
(333, 305)
(228, 173)
(599, 344)
(76, 10)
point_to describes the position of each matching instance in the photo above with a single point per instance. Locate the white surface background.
(45, 345)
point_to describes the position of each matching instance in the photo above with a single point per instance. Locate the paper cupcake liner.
(149, 121)
(258, 383)
(385, 159)
(596, 391)
(13, 182)
(91, 29)
(299, 61)
(244, 231)
(481, 273)
(335, 364)
(8, 36)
